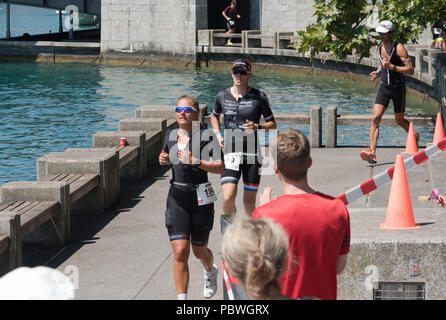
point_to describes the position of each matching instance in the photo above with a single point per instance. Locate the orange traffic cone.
(411, 143)
(439, 129)
(399, 208)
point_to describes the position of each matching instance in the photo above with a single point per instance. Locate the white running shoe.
(210, 283)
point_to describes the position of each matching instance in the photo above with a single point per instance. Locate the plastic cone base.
(383, 226)
(399, 209)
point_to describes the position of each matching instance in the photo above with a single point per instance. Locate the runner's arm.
(404, 56)
(224, 14)
(215, 123)
(163, 158)
(267, 113)
(217, 167)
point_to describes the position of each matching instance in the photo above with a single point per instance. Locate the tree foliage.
(341, 25)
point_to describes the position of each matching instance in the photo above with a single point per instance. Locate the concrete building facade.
(149, 26)
(170, 26)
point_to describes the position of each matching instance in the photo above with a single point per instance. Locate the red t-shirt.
(318, 227)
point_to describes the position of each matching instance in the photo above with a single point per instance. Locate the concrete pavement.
(125, 253)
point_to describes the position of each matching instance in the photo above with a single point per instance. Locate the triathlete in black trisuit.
(242, 108)
(190, 208)
(394, 63)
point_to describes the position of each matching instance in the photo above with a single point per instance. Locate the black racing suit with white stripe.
(392, 86)
(250, 107)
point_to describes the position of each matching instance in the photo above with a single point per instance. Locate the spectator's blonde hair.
(292, 153)
(255, 252)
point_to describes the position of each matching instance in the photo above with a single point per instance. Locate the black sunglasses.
(242, 72)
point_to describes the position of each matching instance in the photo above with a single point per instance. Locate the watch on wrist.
(259, 126)
(394, 68)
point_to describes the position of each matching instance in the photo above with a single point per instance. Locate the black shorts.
(397, 94)
(185, 219)
(230, 24)
(251, 176)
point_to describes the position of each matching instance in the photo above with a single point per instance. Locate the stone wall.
(286, 15)
(170, 26)
(160, 26)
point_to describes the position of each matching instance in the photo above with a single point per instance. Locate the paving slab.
(125, 253)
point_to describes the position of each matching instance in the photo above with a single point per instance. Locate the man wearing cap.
(394, 64)
(242, 107)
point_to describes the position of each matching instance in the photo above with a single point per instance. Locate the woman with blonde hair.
(255, 252)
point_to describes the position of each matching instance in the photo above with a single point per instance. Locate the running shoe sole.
(366, 157)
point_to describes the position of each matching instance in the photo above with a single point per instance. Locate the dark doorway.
(217, 21)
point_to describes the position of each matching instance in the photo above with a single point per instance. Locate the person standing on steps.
(394, 64)
(189, 215)
(230, 14)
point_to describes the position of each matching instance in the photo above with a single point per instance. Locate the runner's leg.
(229, 192)
(401, 121)
(249, 201)
(204, 254)
(378, 112)
(181, 251)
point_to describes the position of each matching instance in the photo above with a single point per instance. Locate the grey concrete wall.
(286, 15)
(142, 26)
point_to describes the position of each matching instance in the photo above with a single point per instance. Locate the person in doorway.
(242, 107)
(230, 14)
(189, 208)
(394, 64)
(317, 225)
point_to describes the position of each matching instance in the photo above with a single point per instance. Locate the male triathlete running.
(394, 63)
(242, 107)
(190, 207)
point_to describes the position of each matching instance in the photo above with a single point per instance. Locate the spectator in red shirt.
(318, 225)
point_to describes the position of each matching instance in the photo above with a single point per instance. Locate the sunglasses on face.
(185, 109)
(239, 72)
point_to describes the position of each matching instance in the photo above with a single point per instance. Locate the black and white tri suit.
(184, 218)
(392, 86)
(252, 107)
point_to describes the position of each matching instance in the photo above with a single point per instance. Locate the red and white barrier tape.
(227, 282)
(386, 176)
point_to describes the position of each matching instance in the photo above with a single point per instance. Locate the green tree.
(341, 25)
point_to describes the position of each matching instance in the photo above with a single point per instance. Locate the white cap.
(39, 283)
(384, 27)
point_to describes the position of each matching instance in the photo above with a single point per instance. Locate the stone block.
(57, 231)
(11, 258)
(103, 163)
(331, 127)
(135, 169)
(316, 126)
(167, 112)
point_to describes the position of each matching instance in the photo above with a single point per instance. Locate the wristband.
(379, 71)
(259, 126)
(394, 68)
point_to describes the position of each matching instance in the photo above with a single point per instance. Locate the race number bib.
(205, 194)
(232, 161)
